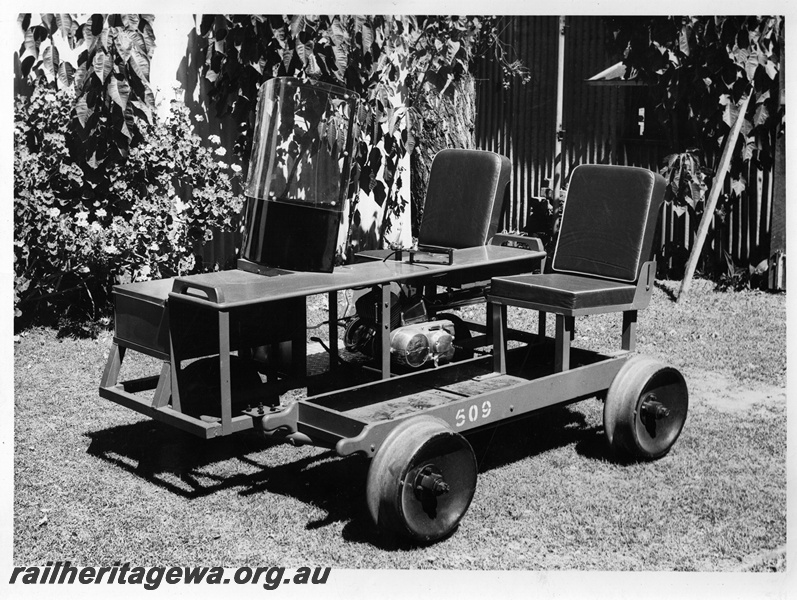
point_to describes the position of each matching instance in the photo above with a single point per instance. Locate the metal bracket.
(432, 250)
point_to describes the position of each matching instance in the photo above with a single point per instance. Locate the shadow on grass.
(173, 459)
(530, 436)
(183, 465)
(667, 291)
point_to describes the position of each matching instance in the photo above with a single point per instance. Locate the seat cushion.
(464, 198)
(609, 221)
(563, 291)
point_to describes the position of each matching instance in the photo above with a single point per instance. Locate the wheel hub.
(429, 480)
(651, 410)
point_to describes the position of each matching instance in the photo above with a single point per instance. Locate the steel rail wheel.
(422, 480)
(645, 409)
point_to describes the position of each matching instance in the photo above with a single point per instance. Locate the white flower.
(179, 205)
(100, 212)
(215, 140)
(236, 168)
(224, 165)
(199, 118)
(221, 151)
(54, 212)
(186, 263)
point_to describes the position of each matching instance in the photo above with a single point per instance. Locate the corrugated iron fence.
(519, 122)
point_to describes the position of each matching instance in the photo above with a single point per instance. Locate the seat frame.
(565, 318)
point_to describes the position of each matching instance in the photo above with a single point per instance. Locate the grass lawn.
(96, 483)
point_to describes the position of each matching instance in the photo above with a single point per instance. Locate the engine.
(415, 340)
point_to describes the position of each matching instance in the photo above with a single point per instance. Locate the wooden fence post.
(711, 204)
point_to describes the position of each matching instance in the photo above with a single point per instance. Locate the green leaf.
(143, 109)
(750, 147)
(66, 74)
(89, 39)
(313, 70)
(368, 37)
(83, 111)
(149, 38)
(68, 27)
(287, 56)
(750, 66)
(339, 34)
(302, 52)
(139, 62)
(119, 91)
(137, 39)
(97, 23)
(297, 25)
(50, 62)
(761, 115)
(760, 268)
(730, 113)
(395, 117)
(130, 21)
(29, 53)
(102, 65)
(341, 58)
(738, 186)
(451, 50)
(49, 22)
(331, 133)
(124, 45)
(80, 74)
(741, 55)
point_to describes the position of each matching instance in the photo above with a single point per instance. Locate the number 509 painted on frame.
(473, 413)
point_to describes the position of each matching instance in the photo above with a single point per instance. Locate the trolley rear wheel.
(645, 409)
(422, 480)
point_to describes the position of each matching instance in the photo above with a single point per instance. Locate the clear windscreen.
(302, 149)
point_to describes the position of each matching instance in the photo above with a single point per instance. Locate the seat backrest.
(464, 198)
(609, 221)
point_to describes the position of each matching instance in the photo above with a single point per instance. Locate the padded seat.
(602, 258)
(464, 198)
(563, 291)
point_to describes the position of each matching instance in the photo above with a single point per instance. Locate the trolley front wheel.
(422, 480)
(645, 409)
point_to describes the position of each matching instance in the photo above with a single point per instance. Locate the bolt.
(440, 487)
(653, 408)
(429, 479)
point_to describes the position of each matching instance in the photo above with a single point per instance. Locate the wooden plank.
(481, 385)
(403, 406)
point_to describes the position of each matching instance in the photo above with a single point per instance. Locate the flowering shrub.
(77, 233)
